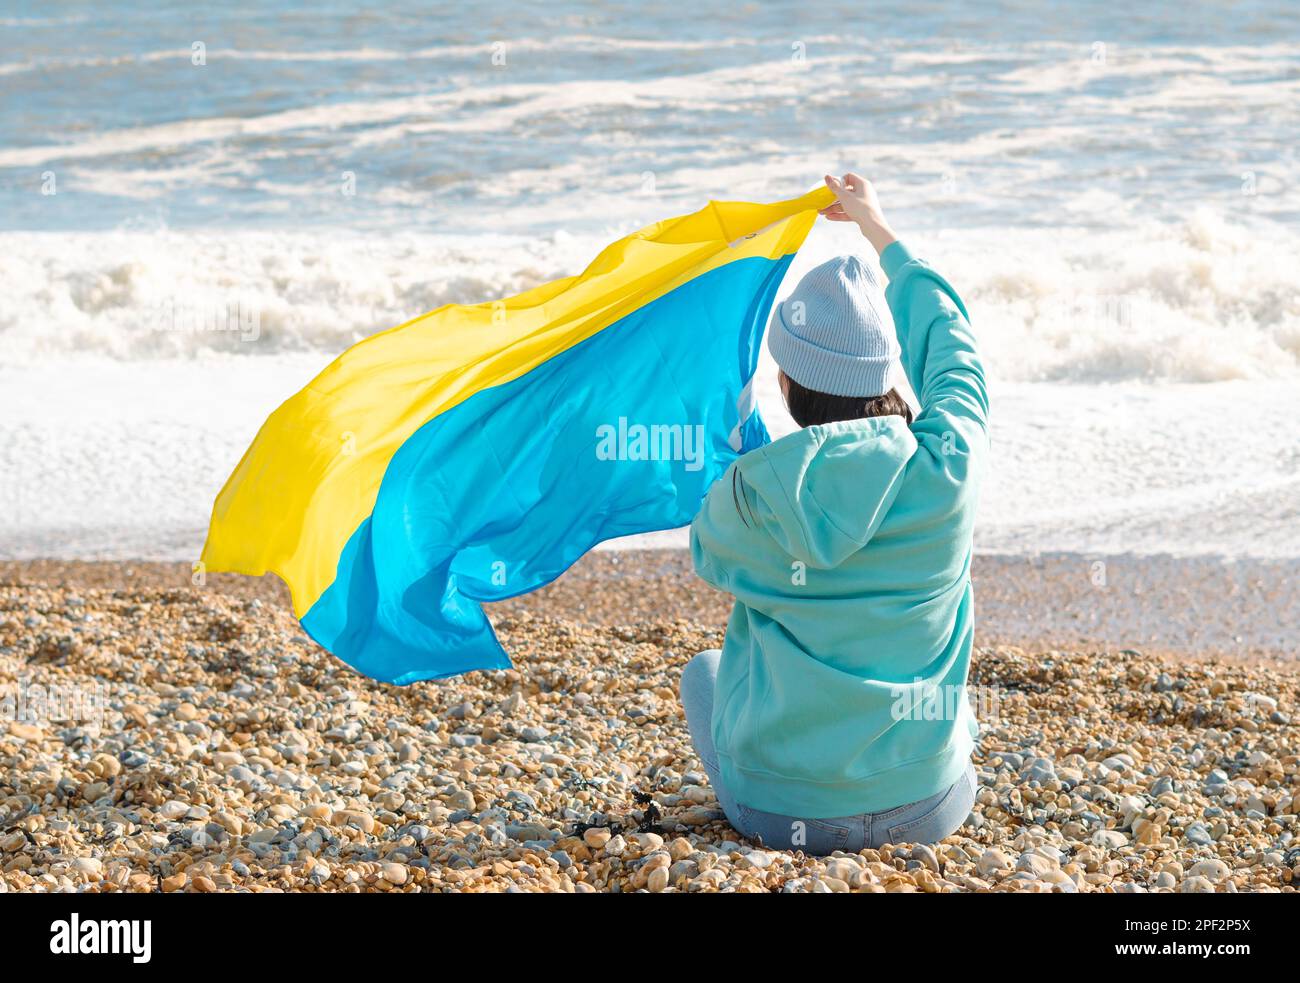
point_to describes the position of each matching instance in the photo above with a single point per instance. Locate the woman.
(834, 716)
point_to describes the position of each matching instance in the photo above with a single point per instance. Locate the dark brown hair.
(809, 407)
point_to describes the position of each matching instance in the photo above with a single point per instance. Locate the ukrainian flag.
(465, 456)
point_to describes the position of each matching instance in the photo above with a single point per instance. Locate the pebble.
(236, 756)
(25, 732)
(394, 874)
(462, 799)
(1109, 839)
(758, 859)
(1035, 864)
(1212, 870)
(1039, 770)
(991, 861)
(926, 856)
(13, 842)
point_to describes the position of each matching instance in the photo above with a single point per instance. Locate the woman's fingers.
(856, 201)
(851, 188)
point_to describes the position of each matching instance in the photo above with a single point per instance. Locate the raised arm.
(939, 353)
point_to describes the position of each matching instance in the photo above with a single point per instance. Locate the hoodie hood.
(821, 492)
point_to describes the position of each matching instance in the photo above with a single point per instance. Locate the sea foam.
(1203, 300)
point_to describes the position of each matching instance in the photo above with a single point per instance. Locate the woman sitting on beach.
(834, 717)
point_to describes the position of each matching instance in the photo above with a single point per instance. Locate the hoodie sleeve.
(713, 534)
(940, 359)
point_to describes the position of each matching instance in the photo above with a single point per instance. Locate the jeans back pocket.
(941, 819)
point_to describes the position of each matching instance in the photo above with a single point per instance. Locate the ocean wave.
(22, 22)
(1205, 300)
(1201, 301)
(481, 108)
(138, 295)
(576, 43)
(1214, 81)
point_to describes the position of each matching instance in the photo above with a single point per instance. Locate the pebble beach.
(191, 738)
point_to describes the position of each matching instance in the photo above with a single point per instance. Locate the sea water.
(199, 209)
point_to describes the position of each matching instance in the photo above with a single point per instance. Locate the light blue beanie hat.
(834, 333)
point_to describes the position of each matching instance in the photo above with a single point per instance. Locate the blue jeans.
(925, 821)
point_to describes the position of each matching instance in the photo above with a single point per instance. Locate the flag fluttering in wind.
(476, 452)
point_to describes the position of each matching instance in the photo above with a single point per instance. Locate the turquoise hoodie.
(842, 683)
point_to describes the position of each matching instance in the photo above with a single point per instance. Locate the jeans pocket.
(815, 837)
(941, 819)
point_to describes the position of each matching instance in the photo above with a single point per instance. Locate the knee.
(700, 671)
